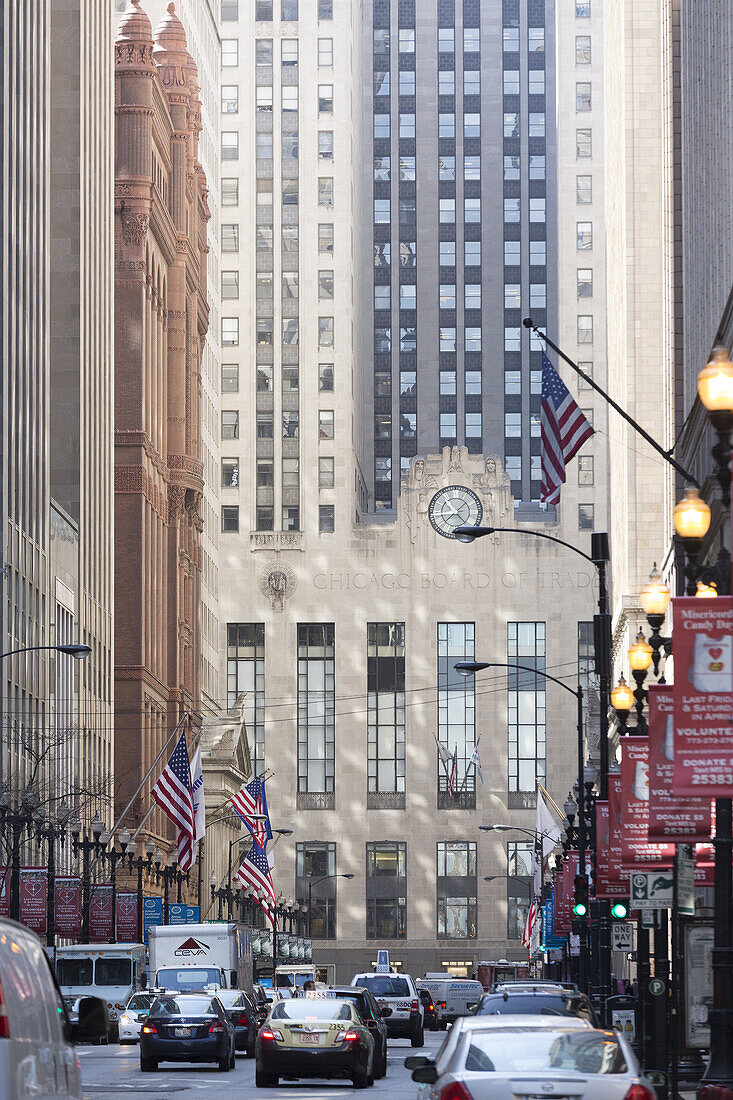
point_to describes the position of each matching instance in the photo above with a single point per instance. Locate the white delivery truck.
(112, 972)
(194, 956)
(453, 997)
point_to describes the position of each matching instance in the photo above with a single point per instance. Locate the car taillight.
(4, 1021)
(148, 1029)
(414, 1006)
(269, 1035)
(455, 1091)
(347, 1037)
(216, 1028)
(639, 1092)
(243, 1020)
(443, 1004)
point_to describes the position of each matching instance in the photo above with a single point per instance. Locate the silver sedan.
(532, 1058)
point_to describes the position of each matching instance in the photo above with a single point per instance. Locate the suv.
(372, 1016)
(538, 1002)
(398, 993)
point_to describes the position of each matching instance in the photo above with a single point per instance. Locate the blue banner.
(152, 914)
(549, 939)
(178, 913)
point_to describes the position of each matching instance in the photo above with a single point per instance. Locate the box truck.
(200, 956)
(112, 972)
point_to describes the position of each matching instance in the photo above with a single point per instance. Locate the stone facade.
(161, 319)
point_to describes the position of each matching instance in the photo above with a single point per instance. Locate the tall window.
(316, 859)
(526, 706)
(316, 712)
(246, 673)
(519, 886)
(456, 875)
(386, 890)
(386, 715)
(456, 713)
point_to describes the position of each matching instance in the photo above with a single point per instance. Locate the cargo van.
(36, 1057)
(453, 997)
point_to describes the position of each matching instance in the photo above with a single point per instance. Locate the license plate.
(182, 1032)
(310, 1039)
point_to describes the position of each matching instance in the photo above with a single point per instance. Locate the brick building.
(161, 320)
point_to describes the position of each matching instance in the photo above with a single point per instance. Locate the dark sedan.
(240, 1009)
(371, 1015)
(190, 1027)
(430, 1020)
(262, 1003)
(542, 1002)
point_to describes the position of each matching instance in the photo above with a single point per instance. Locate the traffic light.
(580, 908)
(620, 910)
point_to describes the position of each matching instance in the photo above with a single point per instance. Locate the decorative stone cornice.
(134, 227)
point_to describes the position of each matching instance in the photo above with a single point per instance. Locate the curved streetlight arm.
(512, 878)
(468, 532)
(544, 835)
(467, 668)
(79, 651)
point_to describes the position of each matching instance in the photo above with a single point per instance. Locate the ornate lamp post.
(88, 847)
(640, 657)
(654, 598)
(54, 829)
(139, 864)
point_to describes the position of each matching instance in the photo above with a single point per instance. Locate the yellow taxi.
(314, 1035)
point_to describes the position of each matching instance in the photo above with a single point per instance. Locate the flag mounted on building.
(173, 792)
(452, 773)
(547, 834)
(254, 871)
(529, 923)
(250, 802)
(476, 759)
(564, 430)
(199, 812)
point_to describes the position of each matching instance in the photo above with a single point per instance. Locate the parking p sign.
(652, 889)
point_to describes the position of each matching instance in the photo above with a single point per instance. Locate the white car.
(398, 993)
(129, 1025)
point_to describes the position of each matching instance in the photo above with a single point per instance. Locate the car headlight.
(125, 1020)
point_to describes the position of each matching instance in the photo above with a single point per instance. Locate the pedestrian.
(310, 984)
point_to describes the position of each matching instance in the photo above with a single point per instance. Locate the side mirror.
(142, 1018)
(385, 1012)
(417, 1060)
(425, 1075)
(472, 1006)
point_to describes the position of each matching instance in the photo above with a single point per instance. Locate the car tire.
(249, 1052)
(266, 1080)
(233, 1062)
(225, 1063)
(148, 1065)
(443, 1025)
(418, 1039)
(360, 1080)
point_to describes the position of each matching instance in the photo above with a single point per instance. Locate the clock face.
(454, 506)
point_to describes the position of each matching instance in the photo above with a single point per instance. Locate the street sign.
(622, 936)
(656, 987)
(651, 889)
(685, 886)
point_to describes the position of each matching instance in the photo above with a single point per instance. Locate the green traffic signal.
(620, 910)
(580, 909)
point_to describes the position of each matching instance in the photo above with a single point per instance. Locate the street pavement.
(111, 1072)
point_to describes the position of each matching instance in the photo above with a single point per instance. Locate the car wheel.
(233, 1062)
(360, 1080)
(266, 1080)
(148, 1065)
(225, 1064)
(443, 1025)
(418, 1039)
(384, 1062)
(249, 1052)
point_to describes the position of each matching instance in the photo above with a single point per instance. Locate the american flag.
(564, 431)
(250, 802)
(529, 923)
(254, 871)
(174, 794)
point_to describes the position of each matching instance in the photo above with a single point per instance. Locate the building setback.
(161, 319)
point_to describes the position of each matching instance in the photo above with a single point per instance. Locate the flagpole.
(471, 761)
(147, 775)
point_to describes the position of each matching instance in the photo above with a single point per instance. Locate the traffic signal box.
(581, 904)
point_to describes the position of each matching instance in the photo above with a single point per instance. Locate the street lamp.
(622, 700)
(323, 878)
(469, 668)
(88, 847)
(640, 657)
(692, 522)
(72, 649)
(140, 864)
(715, 387)
(654, 598)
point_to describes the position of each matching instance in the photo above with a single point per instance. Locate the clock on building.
(454, 506)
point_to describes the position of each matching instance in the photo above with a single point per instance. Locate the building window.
(325, 9)
(325, 144)
(472, 253)
(456, 890)
(512, 339)
(230, 99)
(536, 168)
(386, 706)
(407, 168)
(229, 145)
(325, 52)
(472, 338)
(511, 124)
(229, 518)
(446, 82)
(316, 860)
(325, 191)
(408, 382)
(316, 701)
(585, 517)
(536, 210)
(582, 9)
(582, 96)
(471, 39)
(381, 211)
(326, 518)
(511, 87)
(325, 332)
(536, 81)
(447, 338)
(230, 473)
(585, 282)
(584, 233)
(408, 425)
(519, 886)
(583, 144)
(291, 518)
(511, 210)
(229, 424)
(246, 675)
(290, 332)
(447, 382)
(325, 237)
(263, 148)
(585, 330)
(456, 702)
(408, 338)
(263, 11)
(587, 368)
(408, 296)
(473, 425)
(537, 124)
(471, 82)
(472, 125)
(325, 285)
(536, 39)
(265, 426)
(325, 424)
(448, 296)
(229, 52)
(386, 890)
(407, 125)
(289, 11)
(291, 473)
(325, 377)
(448, 426)
(537, 295)
(473, 382)
(446, 125)
(472, 210)
(230, 284)
(447, 210)
(583, 190)
(325, 473)
(229, 197)
(406, 84)
(526, 706)
(537, 253)
(289, 97)
(512, 296)
(229, 10)
(511, 39)
(582, 49)
(325, 99)
(472, 295)
(230, 378)
(585, 469)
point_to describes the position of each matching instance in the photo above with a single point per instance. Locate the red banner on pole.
(564, 894)
(605, 886)
(101, 923)
(616, 871)
(5, 891)
(67, 905)
(672, 817)
(703, 696)
(636, 850)
(33, 898)
(126, 916)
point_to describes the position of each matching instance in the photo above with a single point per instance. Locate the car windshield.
(183, 1006)
(231, 998)
(74, 971)
(197, 978)
(140, 1001)
(534, 1004)
(113, 972)
(302, 1009)
(530, 1051)
(385, 985)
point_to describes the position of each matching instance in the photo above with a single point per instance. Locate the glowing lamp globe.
(692, 516)
(706, 591)
(622, 697)
(655, 595)
(715, 386)
(640, 654)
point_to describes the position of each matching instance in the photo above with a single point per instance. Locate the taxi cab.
(314, 1035)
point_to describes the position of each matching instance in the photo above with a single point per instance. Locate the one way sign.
(622, 936)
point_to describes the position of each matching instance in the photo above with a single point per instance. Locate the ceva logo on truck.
(191, 947)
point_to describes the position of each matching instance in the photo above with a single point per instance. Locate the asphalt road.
(109, 1073)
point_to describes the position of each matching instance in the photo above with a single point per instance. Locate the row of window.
(288, 10)
(382, 42)
(265, 332)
